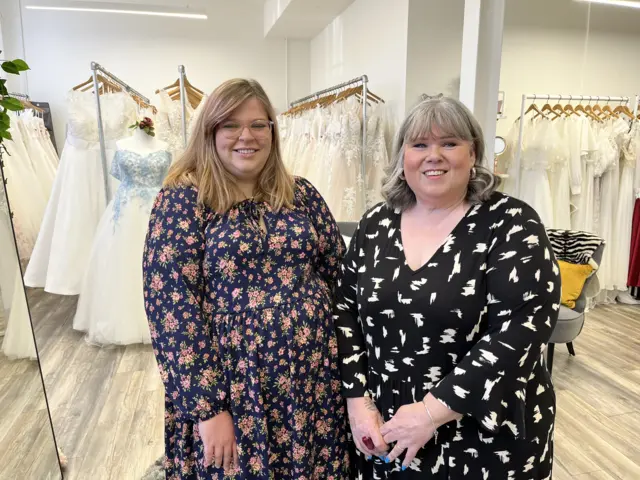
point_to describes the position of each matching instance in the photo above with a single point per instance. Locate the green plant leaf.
(11, 104)
(21, 65)
(3, 88)
(5, 134)
(4, 118)
(10, 67)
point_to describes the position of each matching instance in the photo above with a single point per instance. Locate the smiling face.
(437, 168)
(243, 141)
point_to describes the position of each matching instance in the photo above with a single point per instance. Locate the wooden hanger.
(559, 110)
(534, 108)
(28, 105)
(588, 112)
(624, 109)
(83, 84)
(547, 108)
(194, 94)
(568, 109)
(607, 112)
(597, 111)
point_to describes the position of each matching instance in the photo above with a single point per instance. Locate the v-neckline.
(398, 228)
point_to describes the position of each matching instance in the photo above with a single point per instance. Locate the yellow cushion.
(573, 277)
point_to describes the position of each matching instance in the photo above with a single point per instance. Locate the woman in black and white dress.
(450, 292)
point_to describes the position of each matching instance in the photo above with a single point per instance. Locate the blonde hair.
(453, 118)
(200, 165)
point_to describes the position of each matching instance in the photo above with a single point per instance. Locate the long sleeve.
(491, 382)
(331, 245)
(184, 344)
(352, 350)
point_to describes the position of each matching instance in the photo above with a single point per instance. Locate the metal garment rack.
(362, 80)
(558, 98)
(183, 104)
(19, 95)
(95, 68)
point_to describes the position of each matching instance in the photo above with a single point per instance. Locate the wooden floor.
(27, 448)
(598, 420)
(107, 403)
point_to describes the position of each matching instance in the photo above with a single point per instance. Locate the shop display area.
(81, 396)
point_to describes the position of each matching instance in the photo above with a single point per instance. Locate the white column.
(480, 67)
(12, 40)
(470, 44)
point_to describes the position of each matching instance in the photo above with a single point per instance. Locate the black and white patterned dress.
(469, 326)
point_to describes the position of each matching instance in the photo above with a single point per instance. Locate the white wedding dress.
(168, 122)
(77, 201)
(18, 341)
(324, 145)
(111, 306)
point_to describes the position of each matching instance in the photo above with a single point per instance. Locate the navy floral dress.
(241, 321)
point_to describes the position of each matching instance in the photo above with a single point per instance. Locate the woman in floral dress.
(239, 269)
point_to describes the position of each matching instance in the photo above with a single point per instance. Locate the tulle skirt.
(111, 306)
(61, 252)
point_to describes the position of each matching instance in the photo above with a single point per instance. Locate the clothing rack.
(95, 68)
(19, 95)
(183, 104)
(362, 80)
(558, 98)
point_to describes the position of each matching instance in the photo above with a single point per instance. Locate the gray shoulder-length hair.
(452, 118)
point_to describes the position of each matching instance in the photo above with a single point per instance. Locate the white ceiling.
(306, 18)
(571, 15)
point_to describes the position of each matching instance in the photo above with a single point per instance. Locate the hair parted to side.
(453, 118)
(200, 165)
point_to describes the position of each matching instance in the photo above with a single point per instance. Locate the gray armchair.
(347, 228)
(571, 320)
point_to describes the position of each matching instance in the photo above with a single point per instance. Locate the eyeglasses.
(259, 129)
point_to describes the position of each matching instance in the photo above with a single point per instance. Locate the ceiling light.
(157, 13)
(617, 3)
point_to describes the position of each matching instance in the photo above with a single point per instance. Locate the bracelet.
(435, 430)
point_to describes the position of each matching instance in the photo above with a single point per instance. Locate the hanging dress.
(77, 200)
(111, 306)
(633, 278)
(17, 341)
(534, 180)
(621, 244)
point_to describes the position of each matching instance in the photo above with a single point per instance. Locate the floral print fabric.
(241, 320)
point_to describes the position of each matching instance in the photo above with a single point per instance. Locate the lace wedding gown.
(77, 200)
(168, 122)
(324, 145)
(111, 306)
(26, 195)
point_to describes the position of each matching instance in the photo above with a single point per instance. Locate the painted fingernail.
(369, 457)
(386, 460)
(404, 467)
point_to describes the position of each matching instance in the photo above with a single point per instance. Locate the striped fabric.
(574, 246)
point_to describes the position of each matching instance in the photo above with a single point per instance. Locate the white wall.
(369, 37)
(434, 48)
(549, 60)
(146, 51)
(11, 27)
